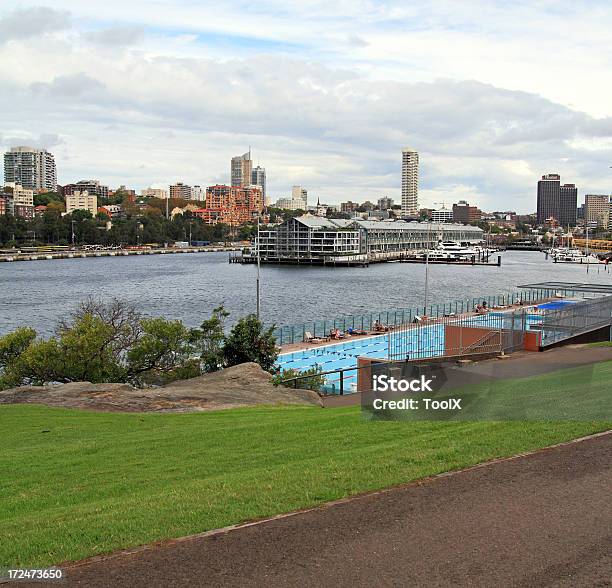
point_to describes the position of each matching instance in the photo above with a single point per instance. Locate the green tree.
(210, 339)
(249, 340)
(163, 353)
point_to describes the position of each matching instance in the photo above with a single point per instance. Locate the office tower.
(34, 169)
(241, 170)
(258, 178)
(180, 190)
(568, 201)
(549, 193)
(466, 214)
(299, 193)
(410, 182)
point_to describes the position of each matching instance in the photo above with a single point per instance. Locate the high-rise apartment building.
(549, 194)
(597, 209)
(242, 169)
(34, 169)
(410, 182)
(180, 190)
(258, 178)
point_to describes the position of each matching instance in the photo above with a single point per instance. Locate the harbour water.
(188, 287)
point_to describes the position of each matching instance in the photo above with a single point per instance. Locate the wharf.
(108, 253)
(361, 260)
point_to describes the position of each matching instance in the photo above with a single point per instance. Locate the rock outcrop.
(241, 385)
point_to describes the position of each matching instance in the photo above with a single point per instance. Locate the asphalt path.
(543, 519)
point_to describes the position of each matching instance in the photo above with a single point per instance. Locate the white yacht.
(457, 250)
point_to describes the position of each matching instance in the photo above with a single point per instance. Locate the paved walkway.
(538, 520)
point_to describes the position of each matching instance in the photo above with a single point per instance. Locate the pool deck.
(304, 346)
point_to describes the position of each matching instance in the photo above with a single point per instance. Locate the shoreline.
(111, 253)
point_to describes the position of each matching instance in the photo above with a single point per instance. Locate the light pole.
(72, 225)
(258, 270)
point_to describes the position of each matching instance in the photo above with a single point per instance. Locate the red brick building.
(232, 205)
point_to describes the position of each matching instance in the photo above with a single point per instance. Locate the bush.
(313, 381)
(100, 343)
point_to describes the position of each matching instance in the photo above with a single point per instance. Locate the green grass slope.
(78, 483)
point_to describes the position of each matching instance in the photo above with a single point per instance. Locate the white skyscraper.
(410, 182)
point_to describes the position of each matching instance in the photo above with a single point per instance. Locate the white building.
(82, 201)
(442, 215)
(410, 182)
(198, 193)
(34, 169)
(291, 204)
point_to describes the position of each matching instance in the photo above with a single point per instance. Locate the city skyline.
(131, 98)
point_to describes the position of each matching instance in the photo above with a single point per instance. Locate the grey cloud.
(116, 37)
(70, 86)
(357, 41)
(31, 22)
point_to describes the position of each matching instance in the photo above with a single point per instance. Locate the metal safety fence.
(575, 319)
(397, 317)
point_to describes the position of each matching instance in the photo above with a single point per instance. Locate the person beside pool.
(351, 331)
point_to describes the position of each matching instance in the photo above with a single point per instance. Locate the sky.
(492, 94)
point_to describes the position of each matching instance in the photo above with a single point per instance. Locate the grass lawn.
(79, 483)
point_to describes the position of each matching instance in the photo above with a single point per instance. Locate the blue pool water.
(426, 341)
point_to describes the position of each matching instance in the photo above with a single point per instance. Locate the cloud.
(117, 36)
(30, 22)
(145, 102)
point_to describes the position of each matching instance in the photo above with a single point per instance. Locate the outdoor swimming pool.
(422, 342)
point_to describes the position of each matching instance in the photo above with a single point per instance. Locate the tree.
(100, 342)
(211, 338)
(250, 341)
(163, 353)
